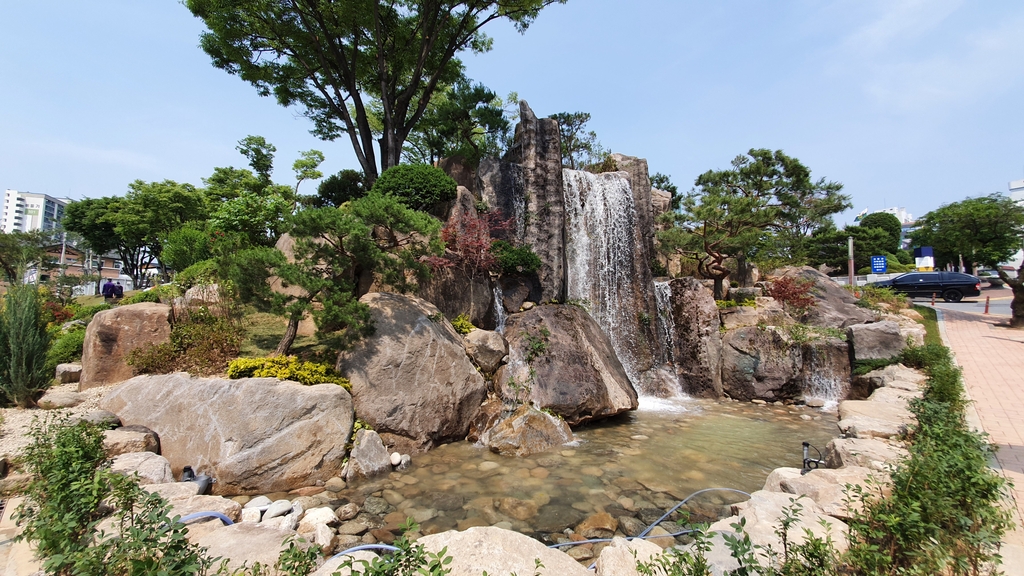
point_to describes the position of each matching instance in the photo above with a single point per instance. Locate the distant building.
(1017, 190)
(25, 211)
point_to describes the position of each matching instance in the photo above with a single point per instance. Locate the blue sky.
(910, 103)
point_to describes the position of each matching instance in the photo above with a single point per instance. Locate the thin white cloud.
(919, 56)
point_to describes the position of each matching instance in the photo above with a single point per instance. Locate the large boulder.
(456, 291)
(487, 349)
(253, 435)
(835, 306)
(761, 363)
(527, 431)
(412, 380)
(526, 187)
(151, 468)
(560, 360)
(113, 333)
(695, 342)
(497, 551)
(875, 341)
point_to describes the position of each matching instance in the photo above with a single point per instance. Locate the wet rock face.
(760, 363)
(114, 333)
(560, 360)
(412, 380)
(526, 186)
(697, 342)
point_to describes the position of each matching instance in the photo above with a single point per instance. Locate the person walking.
(108, 290)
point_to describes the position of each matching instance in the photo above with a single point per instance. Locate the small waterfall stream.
(600, 216)
(820, 379)
(666, 324)
(500, 315)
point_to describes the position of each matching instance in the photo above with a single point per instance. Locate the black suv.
(952, 286)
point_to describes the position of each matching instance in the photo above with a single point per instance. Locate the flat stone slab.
(865, 452)
(248, 542)
(895, 396)
(499, 551)
(825, 486)
(868, 419)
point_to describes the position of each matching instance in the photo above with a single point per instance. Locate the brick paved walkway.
(992, 359)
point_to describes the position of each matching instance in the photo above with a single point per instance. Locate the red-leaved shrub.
(793, 293)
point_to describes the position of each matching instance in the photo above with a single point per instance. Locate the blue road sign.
(879, 265)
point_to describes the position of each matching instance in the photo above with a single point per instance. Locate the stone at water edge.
(259, 502)
(487, 348)
(246, 542)
(368, 457)
(396, 458)
(498, 552)
(412, 381)
(621, 556)
(278, 508)
(527, 431)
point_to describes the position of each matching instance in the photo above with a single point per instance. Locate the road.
(999, 302)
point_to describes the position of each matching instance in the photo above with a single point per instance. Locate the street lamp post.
(849, 240)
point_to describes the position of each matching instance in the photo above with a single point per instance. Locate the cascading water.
(666, 324)
(821, 380)
(600, 216)
(500, 316)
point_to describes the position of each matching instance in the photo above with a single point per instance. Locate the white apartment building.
(25, 211)
(1017, 190)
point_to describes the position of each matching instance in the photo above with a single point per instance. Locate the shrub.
(155, 294)
(199, 274)
(66, 347)
(418, 186)
(872, 296)
(515, 260)
(71, 478)
(793, 293)
(87, 312)
(286, 368)
(462, 324)
(54, 313)
(24, 342)
(200, 344)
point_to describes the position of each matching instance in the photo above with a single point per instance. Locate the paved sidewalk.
(992, 360)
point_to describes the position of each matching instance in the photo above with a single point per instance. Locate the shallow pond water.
(636, 465)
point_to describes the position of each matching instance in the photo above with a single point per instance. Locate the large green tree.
(334, 59)
(336, 251)
(466, 120)
(580, 147)
(887, 222)
(985, 230)
(20, 250)
(731, 212)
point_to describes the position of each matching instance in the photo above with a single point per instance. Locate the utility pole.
(853, 285)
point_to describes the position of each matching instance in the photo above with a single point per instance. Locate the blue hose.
(208, 514)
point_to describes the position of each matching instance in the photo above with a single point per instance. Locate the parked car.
(951, 286)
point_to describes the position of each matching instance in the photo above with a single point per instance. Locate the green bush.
(155, 294)
(515, 259)
(87, 312)
(66, 347)
(944, 494)
(24, 342)
(418, 186)
(200, 344)
(286, 368)
(462, 324)
(199, 274)
(71, 477)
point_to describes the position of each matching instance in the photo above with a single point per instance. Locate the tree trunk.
(719, 288)
(289, 337)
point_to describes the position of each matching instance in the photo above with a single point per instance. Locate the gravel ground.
(17, 421)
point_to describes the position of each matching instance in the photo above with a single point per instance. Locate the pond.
(634, 467)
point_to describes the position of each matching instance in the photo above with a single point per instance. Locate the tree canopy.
(580, 147)
(336, 60)
(986, 231)
(19, 250)
(887, 222)
(729, 213)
